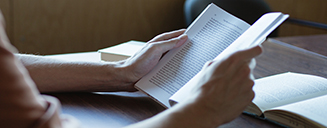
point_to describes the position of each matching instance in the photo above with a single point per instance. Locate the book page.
(314, 109)
(287, 88)
(256, 34)
(208, 37)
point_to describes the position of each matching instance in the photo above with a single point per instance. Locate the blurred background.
(66, 26)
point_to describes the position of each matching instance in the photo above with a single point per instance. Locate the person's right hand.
(225, 88)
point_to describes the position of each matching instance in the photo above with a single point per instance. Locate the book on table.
(121, 51)
(292, 99)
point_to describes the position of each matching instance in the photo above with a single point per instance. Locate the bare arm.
(51, 75)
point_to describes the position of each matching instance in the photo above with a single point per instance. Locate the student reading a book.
(223, 93)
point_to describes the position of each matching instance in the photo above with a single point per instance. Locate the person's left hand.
(144, 60)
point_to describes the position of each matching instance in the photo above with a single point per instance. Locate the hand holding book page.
(210, 37)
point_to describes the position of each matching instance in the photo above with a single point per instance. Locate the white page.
(253, 36)
(287, 88)
(256, 34)
(208, 37)
(314, 109)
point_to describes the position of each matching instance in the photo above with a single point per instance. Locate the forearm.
(52, 75)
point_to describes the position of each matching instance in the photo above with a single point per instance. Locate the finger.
(246, 99)
(233, 63)
(168, 35)
(172, 43)
(242, 77)
(165, 45)
(244, 55)
(250, 53)
(244, 58)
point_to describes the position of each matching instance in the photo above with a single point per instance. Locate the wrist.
(119, 76)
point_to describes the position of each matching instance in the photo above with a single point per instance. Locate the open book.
(215, 34)
(292, 99)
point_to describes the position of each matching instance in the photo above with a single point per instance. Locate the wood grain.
(61, 26)
(279, 57)
(311, 10)
(108, 110)
(315, 43)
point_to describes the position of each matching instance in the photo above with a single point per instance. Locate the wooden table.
(97, 110)
(315, 43)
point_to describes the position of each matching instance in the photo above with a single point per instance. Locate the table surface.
(315, 43)
(103, 109)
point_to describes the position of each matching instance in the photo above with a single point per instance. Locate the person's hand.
(225, 87)
(144, 60)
